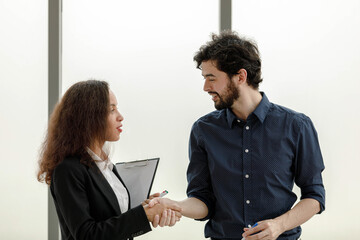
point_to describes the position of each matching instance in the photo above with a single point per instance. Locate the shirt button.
(247, 201)
(247, 127)
(238, 120)
(246, 150)
(247, 176)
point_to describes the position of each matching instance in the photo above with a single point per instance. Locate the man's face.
(217, 83)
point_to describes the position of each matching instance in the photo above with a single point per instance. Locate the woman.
(91, 200)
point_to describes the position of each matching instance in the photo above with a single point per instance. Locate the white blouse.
(106, 167)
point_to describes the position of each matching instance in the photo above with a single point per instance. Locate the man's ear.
(242, 76)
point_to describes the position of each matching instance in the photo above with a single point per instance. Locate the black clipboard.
(138, 177)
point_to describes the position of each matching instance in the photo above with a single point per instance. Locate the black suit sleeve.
(71, 195)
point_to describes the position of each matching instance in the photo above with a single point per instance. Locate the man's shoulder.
(212, 116)
(280, 111)
(213, 119)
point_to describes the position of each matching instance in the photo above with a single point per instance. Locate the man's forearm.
(193, 208)
(299, 214)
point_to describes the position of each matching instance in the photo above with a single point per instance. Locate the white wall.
(144, 49)
(23, 117)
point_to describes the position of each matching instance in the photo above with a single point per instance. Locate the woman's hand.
(151, 197)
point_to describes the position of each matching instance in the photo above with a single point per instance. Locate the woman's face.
(114, 120)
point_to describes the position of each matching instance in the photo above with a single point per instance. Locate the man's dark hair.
(232, 53)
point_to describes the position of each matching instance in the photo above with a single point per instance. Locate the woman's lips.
(119, 129)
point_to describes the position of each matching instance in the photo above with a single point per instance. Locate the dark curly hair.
(77, 121)
(232, 53)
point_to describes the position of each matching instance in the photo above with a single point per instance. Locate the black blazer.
(87, 206)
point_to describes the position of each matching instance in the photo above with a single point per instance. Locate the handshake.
(162, 211)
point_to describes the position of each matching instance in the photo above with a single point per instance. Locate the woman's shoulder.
(70, 173)
(70, 166)
(70, 161)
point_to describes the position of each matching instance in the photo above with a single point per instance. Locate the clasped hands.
(162, 211)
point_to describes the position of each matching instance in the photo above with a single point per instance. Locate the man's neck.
(247, 103)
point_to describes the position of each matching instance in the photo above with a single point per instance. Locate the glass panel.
(311, 58)
(144, 49)
(23, 118)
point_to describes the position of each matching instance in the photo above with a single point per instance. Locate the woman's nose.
(120, 117)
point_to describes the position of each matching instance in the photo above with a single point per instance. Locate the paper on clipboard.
(138, 177)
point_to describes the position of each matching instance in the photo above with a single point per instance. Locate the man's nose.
(206, 87)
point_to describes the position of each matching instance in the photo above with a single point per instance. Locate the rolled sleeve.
(309, 164)
(198, 176)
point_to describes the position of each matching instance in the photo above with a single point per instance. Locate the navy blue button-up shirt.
(244, 171)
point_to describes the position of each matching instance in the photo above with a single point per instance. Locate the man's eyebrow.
(112, 105)
(209, 75)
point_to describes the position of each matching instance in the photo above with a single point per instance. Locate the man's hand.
(272, 228)
(265, 230)
(168, 218)
(166, 202)
(168, 210)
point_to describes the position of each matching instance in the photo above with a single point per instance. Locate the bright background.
(311, 63)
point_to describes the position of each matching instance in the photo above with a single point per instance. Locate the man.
(246, 156)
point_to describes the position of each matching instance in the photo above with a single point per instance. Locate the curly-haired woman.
(90, 197)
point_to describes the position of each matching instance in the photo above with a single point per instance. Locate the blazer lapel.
(118, 175)
(105, 187)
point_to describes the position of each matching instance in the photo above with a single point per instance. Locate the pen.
(164, 193)
(251, 227)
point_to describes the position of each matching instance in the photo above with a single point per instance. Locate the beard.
(227, 99)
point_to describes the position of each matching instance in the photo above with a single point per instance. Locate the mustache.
(214, 93)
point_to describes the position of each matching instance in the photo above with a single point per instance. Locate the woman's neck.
(97, 149)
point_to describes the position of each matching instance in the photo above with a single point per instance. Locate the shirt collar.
(263, 108)
(260, 111)
(231, 118)
(102, 164)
